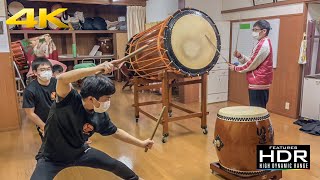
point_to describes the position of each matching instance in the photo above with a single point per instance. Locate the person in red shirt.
(258, 66)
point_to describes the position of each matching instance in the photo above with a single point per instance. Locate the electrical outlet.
(287, 106)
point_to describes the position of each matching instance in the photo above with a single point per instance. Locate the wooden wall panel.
(287, 76)
(10, 117)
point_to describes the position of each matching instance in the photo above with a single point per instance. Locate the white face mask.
(255, 35)
(104, 106)
(45, 75)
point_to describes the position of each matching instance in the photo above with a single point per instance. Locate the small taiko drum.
(238, 131)
(14, 7)
(18, 55)
(178, 44)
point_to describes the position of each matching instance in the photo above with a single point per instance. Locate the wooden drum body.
(18, 55)
(238, 131)
(177, 44)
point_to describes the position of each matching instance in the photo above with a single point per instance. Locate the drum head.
(243, 113)
(186, 42)
(14, 7)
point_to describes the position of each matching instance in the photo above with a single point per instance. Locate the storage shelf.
(66, 31)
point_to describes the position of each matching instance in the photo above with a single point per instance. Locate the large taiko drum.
(238, 131)
(178, 44)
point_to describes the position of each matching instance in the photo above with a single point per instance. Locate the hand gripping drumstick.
(217, 50)
(158, 122)
(119, 61)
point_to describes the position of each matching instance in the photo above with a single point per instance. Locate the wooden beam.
(148, 115)
(147, 87)
(147, 103)
(185, 83)
(193, 115)
(181, 108)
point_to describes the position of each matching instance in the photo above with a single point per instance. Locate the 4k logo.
(43, 18)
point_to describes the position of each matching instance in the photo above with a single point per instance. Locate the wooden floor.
(186, 156)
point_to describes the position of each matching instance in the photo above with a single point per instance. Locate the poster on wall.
(4, 42)
(246, 42)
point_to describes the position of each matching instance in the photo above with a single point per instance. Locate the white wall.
(235, 4)
(265, 12)
(158, 10)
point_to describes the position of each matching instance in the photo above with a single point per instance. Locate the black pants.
(258, 98)
(47, 170)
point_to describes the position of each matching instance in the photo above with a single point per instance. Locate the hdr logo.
(43, 18)
(283, 157)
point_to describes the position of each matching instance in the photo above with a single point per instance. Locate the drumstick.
(238, 32)
(119, 61)
(155, 129)
(217, 50)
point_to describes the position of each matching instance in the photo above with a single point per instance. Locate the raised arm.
(63, 81)
(261, 52)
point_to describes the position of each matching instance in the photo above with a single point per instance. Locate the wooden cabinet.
(218, 83)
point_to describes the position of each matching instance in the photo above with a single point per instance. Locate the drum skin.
(236, 138)
(170, 48)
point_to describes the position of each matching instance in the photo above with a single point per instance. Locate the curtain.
(136, 19)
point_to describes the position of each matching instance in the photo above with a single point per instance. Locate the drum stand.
(167, 78)
(217, 169)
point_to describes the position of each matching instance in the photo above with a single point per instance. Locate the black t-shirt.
(65, 130)
(40, 97)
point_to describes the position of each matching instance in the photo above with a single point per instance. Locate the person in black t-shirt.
(40, 93)
(72, 116)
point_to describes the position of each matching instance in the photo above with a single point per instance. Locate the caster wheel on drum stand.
(137, 119)
(165, 138)
(170, 114)
(204, 130)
